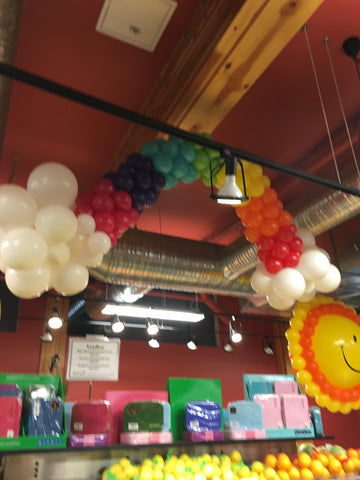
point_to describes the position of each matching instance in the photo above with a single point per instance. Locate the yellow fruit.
(334, 466)
(208, 470)
(324, 459)
(158, 460)
(169, 476)
(270, 460)
(206, 458)
(283, 475)
(283, 462)
(348, 465)
(215, 459)
(227, 474)
(158, 473)
(199, 476)
(235, 456)
(306, 473)
(257, 467)
(243, 472)
(304, 460)
(317, 468)
(131, 471)
(270, 474)
(294, 473)
(124, 462)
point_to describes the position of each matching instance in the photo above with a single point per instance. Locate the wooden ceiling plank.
(227, 46)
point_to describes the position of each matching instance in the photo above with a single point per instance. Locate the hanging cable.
(321, 102)
(326, 42)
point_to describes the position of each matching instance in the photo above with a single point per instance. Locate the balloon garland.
(62, 243)
(323, 343)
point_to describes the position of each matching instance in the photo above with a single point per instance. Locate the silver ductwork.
(161, 261)
(10, 21)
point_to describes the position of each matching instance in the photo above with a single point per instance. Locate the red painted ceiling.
(279, 118)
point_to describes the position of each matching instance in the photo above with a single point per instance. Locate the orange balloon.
(242, 211)
(252, 235)
(256, 204)
(269, 228)
(271, 210)
(255, 220)
(269, 195)
(285, 219)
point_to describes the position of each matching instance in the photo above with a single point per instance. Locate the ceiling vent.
(138, 22)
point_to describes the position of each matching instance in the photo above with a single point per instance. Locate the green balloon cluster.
(179, 160)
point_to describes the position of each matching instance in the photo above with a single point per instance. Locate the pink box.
(145, 438)
(93, 417)
(285, 387)
(244, 434)
(88, 440)
(119, 398)
(10, 416)
(271, 410)
(295, 411)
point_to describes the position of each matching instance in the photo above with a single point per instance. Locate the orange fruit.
(341, 456)
(283, 462)
(270, 460)
(356, 463)
(334, 466)
(324, 459)
(326, 473)
(283, 475)
(304, 460)
(317, 468)
(294, 473)
(306, 474)
(348, 465)
(352, 453)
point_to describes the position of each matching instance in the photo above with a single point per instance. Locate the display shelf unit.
(88, 462)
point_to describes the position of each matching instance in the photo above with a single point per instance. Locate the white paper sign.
(91, 359)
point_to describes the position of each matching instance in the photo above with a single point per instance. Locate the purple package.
(10, 390)
(89, 440)
(204, 436)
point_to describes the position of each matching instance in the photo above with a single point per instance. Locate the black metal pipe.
(121, 112)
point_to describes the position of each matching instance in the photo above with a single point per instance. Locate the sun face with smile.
(324, 349)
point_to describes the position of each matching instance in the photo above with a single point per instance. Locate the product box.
(267, 384)
(24, 442)
(144, 416)
(316, 420)
(44, 417)
(203, 415)
(184, 390)
(119, 398)
(271, 408)
(146, 438)
(92, 417)
(89, 440)
(295, 411)
(245, 415)
(204, 436)
(10, 416)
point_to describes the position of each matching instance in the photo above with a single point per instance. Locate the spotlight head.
(47, 337)
(117, 326)
(152, 328)
(228, 347)
(236, 337)
(154, 343)
(55, 321)
(268, 347)
(191, 344)
(230, 193)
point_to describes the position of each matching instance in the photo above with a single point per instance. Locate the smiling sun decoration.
(324, 349)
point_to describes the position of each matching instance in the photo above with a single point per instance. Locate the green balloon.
(206, 181)
(191, 175)
(180, 167)
(174, 139)
(149, 149)
(162, 162)
(187, 151)
(170, 181)
(202, 161)
(170, 147)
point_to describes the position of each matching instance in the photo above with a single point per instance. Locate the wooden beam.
(226, 48)
(58, 345)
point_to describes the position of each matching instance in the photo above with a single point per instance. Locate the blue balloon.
(162, 162)
(170, 147)
(170, 181)
(150, 148)
(187, 151)
(191, 175)
(180, 167)
(158, 180)
(176, 140)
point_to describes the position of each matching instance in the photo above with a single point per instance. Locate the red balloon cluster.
(271, 229)
(111, 209)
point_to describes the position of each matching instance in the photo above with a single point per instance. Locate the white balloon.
(69, 279)
(306, 236)
(289, 284)
(53, 183)
(88, 259)
(307, 296)
(261, 280)
(78, 243)
(28, 283)
(309, 286)
(17, 207)
(313, 264)
(330, 281)
(99, 242)
(56, 224)
(23, 248)
(58, 254)
(278, 303)
(86, 224)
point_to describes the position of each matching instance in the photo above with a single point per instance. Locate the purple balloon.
(151, 196)
(143, 178)
(158, 180)
(139, 161)
(124, 182)
(138, 196)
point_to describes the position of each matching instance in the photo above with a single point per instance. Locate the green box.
(22, 442)
(183, 390)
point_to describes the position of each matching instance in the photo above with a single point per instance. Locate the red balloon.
(83, 208)
(280, 250)
(104, 222)
(285, 235)
(113, 237)
(134, 216)
(308, 354)
(273, 265)
(263, 255)
(292, 260)
(104, 186)
(122, 219)
(85, 198)
(122, 199)
(296, 245)
(102, 202)
(305, 342)
(265, 243)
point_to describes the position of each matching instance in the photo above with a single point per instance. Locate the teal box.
(184, 390)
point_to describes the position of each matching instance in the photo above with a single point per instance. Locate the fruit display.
(309, 463)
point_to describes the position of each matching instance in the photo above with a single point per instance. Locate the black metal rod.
(121, 112)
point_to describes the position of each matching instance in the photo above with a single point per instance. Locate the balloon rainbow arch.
(50, 236)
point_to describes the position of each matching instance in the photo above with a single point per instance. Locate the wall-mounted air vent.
(138, 22)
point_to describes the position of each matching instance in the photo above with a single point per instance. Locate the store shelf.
(86, 463)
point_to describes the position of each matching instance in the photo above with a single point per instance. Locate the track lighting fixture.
(192, 344)
(117, 326)
(154, 343)
(152, 313)
(55, 321)
(47, 337)
(152, 328)
(227, 346)
(235, 335)
(230, 193)
(268, 346)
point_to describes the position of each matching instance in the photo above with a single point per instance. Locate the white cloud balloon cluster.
(313, 273)
(43, 244)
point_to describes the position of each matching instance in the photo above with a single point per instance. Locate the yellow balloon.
(295, 349)
(254, 171)
(255, 188)
(220, 176)
(304, 377)
(292, 335)
(312, 389)
(322, 399)
(297, 323)
(333, 406)
(265, 181)
(298, 362)
(345, 408)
